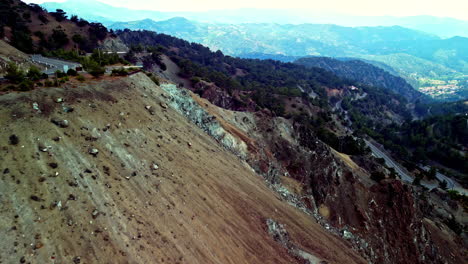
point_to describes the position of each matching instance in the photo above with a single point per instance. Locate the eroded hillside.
(378, 219)
(110, 172)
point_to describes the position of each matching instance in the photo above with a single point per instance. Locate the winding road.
(405, 176)
(53, 64)
(389, 162)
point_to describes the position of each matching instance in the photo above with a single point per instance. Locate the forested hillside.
(364, 73)
(265, 80)
(33, 30)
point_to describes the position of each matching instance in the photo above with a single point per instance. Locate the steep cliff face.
(111, 172)
(387, 222)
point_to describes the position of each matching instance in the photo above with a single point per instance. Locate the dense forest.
(442, 138)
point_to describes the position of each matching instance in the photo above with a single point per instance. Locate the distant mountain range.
(408, 51)
(96, 11)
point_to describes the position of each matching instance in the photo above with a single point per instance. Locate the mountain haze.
(96, 11)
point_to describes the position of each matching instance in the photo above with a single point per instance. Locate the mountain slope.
(9, 54)
(31, 29)
(140, 172)
(364, 73)
(116, 205)
(297, 151)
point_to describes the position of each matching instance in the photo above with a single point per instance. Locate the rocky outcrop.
(281, 235)
(222, 98)
(113, 45)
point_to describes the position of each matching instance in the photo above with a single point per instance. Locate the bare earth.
(159, 190)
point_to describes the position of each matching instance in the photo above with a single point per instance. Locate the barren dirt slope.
(10, 54)
(159, 190)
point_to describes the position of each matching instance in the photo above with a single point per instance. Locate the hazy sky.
(444, 8)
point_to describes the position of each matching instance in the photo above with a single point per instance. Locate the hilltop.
(31, 29)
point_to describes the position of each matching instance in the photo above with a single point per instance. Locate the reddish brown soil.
(202, 205)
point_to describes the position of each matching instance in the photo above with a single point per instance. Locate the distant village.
(442, 89)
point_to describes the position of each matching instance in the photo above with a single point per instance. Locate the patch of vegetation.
(94, 68)
(58, 39)
(26, 85)
(14, 74)
(72, 72)
(34, 74)
(80, 78)
(439, 138)
(119, 72)
(59, 15)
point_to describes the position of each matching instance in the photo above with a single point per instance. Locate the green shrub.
(11, 88)
(443, 185)
(71, 72)
(34, 73)
(417, 180)
(14, 74)
(80, 78)
(60, 74)
(94, 68)
(26, 85)
(119, 72)
(48, 83)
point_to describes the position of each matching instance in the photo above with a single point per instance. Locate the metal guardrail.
(54, 64)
